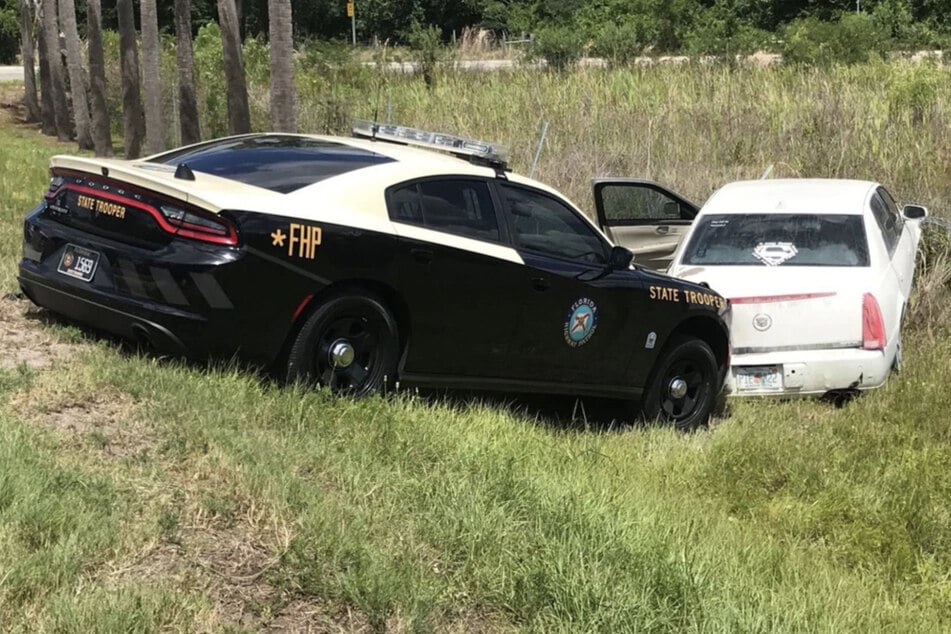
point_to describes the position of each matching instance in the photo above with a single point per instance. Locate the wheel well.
(390, 298)
(709, 331)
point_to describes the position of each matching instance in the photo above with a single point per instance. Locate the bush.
(559, 46)
(620, 44)
(9, 36)
(853, 39)
(428, 50)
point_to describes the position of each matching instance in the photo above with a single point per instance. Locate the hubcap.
(677, 388)
(341, 353)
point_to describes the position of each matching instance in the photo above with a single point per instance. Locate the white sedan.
(818, 273)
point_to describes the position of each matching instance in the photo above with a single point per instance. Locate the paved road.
(8, 73)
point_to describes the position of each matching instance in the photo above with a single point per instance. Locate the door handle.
(662, 230)
(540, 284)
(423, 256)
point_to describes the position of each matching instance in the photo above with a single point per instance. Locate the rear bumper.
(815, 372)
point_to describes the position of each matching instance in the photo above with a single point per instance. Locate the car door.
(457, 276)
(575, 312)
(643, 216)
(902, 243)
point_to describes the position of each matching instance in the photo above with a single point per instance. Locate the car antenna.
(184, 172)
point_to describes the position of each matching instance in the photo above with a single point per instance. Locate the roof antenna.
(184, 172)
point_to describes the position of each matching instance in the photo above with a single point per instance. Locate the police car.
(396, 256)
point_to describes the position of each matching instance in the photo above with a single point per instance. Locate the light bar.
(490, 153)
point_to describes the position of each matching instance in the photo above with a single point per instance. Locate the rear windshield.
(281, 163)
(778, 240)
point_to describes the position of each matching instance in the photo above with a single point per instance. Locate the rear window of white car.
(778, 240)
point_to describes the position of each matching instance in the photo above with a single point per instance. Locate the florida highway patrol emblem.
(581, 322)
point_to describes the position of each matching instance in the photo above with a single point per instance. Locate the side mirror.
(620, 258)
(914, 212)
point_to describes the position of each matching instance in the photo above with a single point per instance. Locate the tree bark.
(77, 78)
(64, 127)
(152, 79)
(26, 55)
(239, 114)
(187, 100)
(133, 115)
(47, 116)
(283, 92)
(101, 130)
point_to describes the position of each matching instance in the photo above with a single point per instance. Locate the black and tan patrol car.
(356, 262)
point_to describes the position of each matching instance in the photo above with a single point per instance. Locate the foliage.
(9, 32)
(852, 39)
(620, 44)
(428, 51)
(560, 46)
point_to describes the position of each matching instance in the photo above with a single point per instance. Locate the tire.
(349, 344)
(690, 360)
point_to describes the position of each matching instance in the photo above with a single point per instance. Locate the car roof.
(791, 195)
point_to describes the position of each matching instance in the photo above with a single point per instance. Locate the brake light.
(873, 326)
(764, 299)
(198, 226)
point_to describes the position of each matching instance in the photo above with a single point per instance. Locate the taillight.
(873, 326)
(765, 299)
(197, 225)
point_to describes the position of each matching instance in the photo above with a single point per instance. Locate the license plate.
(767, 378)
(78, 262)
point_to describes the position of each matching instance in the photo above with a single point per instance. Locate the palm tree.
(152, 76)
(187, 101)
(239, 114)
(26, 55)
(283, 93)
(54, 61)
(77, 78)
(47, 117)
(133, 116)
(101, 130)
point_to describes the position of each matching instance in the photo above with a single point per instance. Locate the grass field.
(138, 494)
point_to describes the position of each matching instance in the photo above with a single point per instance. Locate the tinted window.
(459, 206)
(281, 163)
(778, 240)
(547, 226)
(888, 218)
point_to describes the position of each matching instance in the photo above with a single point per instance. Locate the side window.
(888, 222)
(462, 207)
(545, 225)
(626, 203)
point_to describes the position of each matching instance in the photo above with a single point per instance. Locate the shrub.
(620, 44)
(559, 46)
(854, 38)
(9, 36)
(428, 51)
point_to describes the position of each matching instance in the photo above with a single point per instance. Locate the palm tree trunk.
(64, 127)
(283, 93)
(101, 128)
(239, 114)
(26, 55)
(133, 116)
(47, 116)
(152, 79)
(187, 101)
(77, 78)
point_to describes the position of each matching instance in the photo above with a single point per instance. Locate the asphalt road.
(8, 73)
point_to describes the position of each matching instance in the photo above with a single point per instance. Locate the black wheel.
(349, 344)
(684, 388)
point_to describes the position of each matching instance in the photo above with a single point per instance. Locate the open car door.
(645, 217)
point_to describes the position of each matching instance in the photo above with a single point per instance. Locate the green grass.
(142, 495)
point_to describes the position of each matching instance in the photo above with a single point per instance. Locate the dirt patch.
(229, 566)
(24, 341)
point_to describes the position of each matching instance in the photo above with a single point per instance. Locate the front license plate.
(767, 378)
(78, 262)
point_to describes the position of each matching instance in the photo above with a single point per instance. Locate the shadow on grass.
(555, 411)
